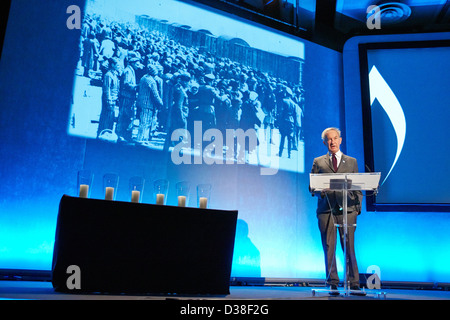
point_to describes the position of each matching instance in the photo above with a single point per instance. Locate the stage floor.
(43, 290)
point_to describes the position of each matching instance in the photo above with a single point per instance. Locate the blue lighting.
(277, 232)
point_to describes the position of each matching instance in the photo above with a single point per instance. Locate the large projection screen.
(237, 77)
(405, 100)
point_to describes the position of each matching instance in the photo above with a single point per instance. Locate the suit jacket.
(347, 165)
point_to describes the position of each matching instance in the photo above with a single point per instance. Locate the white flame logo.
(381, 91)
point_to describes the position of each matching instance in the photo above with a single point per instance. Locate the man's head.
(135, 60)
(184, 78)
(332, 139)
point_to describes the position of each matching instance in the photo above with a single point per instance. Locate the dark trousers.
(328, 234)
(107, 117)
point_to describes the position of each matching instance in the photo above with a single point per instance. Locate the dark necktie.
(335, 166)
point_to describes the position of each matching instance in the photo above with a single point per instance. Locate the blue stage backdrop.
(51, 86)
(404, 244)
(409, 101)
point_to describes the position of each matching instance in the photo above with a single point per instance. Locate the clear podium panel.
(340, 181)
(344, 182)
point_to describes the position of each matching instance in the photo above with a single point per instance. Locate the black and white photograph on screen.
(147, 70)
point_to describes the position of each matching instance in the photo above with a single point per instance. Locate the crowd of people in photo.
(158, 85)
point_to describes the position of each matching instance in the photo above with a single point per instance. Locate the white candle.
(182, 201)
(160, 198)
(135, 194)
(203, 202)
(84, 190)
(109, 193)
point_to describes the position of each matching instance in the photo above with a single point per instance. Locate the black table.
(123, 247)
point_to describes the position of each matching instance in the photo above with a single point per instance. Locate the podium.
(344, 182)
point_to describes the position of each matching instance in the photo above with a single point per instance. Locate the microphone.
(374, 191)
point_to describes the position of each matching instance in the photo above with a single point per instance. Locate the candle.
(203, 202)
(109, 193)
(135, 194)
(182, 201)
(84, 190)
(159, 198)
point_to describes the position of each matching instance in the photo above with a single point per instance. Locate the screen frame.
(371, 201)
(271, 164)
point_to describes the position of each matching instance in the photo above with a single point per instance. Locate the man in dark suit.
(329, 210)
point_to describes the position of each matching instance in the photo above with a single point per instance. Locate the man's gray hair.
(324, 132)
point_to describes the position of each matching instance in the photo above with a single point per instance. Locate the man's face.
(332, 141)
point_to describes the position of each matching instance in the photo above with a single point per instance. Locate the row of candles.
(136, 186)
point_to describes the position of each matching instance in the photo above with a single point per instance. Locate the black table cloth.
(123, 247)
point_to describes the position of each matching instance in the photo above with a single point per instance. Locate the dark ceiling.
(328, 22)
(332, 22)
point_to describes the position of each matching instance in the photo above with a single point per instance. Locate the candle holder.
(203, 195)
(84, 179)
(160, 190)
(110, 185)
(136, 188)
(183, 189)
